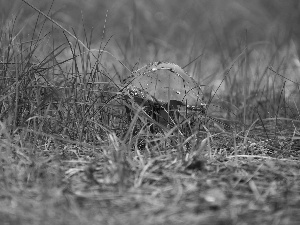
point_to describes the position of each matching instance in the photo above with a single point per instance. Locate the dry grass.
(72, 154)
(108, 185)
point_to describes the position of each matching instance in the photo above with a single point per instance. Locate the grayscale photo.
(153, 112)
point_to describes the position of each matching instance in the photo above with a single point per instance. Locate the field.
(79, 144)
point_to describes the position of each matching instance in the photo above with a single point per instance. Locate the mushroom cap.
(165, 83)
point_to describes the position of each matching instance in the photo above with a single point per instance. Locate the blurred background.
(138, 32)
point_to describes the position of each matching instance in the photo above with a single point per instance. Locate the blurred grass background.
(169, 29)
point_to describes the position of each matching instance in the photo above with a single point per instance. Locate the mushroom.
(164, 87)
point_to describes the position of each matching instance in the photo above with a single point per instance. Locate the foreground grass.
(81, 185)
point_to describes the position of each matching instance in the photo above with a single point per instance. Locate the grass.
(72, 154)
